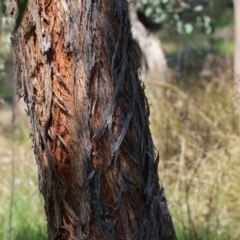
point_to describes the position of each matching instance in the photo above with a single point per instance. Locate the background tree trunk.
(237, 53)
(154, 62)
(75, 65)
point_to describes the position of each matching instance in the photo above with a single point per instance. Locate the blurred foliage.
(16, 12)
(5, 63)
(3, 8)
(184, 16)
(7, 26)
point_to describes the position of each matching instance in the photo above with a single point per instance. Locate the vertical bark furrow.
(78, 71)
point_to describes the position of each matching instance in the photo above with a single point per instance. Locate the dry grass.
(197, 135)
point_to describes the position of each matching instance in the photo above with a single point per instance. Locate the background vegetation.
(195, 127)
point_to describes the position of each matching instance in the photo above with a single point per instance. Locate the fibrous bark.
(76, 67)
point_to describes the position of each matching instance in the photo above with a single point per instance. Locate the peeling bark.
(76, 67)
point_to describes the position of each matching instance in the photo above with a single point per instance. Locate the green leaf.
(158, 10)
(188, 28)
(198, 8)
(148, 11)
(179, 27)
(176, 17)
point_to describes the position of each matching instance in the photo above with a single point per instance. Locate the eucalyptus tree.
(75, 65)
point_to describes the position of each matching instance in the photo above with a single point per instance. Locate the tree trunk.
(75, 65)
(154, 64)
(237, 53)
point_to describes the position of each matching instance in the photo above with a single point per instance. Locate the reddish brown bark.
(76, 67)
